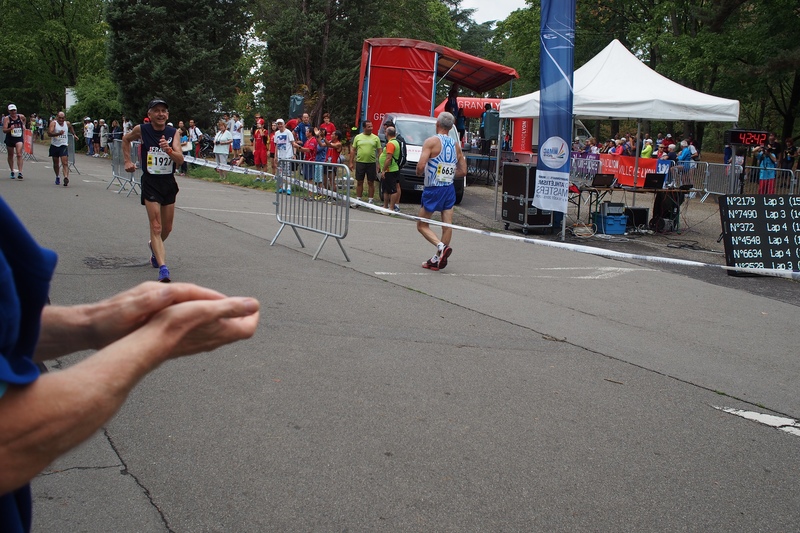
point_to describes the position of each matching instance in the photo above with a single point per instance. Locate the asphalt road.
(524, 388)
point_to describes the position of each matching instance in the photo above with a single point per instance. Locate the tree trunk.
(791, 109)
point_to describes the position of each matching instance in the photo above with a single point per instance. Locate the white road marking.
(225, 210)
(597, 273)
(788, 425)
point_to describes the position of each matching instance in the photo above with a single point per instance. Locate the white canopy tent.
(616, 85)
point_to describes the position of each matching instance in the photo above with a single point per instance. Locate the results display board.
(761, 231)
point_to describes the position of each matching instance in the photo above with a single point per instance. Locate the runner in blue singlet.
(441, 162)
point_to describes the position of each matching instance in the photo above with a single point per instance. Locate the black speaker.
(296, 104)
(491, 124)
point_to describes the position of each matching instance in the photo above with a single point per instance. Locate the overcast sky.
(492, 10)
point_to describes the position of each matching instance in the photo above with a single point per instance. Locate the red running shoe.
(444, 255)
(430, 265)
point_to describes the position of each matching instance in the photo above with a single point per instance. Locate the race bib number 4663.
(445, 172)
(158, 162)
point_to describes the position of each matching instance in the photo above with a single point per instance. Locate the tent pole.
(497, 165)
(636, 163)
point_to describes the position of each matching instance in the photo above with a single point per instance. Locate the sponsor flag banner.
(557, 40)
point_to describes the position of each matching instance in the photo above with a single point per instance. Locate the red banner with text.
(623, 167)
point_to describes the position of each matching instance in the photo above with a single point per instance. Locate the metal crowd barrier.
(720, 180)
(308, 204)
(581, 171)
(71, 154)
(688, 173)
(25, 155)
(785, 181)
(119, 175)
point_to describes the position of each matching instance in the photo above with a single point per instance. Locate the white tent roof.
(616, 85)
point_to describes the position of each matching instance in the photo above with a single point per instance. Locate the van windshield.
(415, 132)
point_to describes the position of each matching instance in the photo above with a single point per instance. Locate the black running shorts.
(12, 141)
(59, 151)
(159, 189)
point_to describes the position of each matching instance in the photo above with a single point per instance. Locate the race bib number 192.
(158, 162)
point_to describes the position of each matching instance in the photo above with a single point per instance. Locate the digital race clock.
(746, 137)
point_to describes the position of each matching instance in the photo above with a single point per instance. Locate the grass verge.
(233, 178)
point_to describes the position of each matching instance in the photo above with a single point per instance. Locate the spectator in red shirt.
(260, 146)
(327, 126)
(292, 123)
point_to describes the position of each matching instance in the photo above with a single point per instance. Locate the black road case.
(519, 184)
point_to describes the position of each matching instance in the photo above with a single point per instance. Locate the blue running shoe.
(58, 180)
(288, 192)
(12, 175)
(163, 274)
(153, 260)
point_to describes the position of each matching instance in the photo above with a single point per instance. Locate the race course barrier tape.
(580, 248)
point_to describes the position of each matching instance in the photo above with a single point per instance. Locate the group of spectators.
(663, 147)
(768, 158)
(282, 140)
(299, 139)
(772, 156)
(38, 125)
(99, 136)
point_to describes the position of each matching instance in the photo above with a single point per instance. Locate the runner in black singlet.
(160, 152)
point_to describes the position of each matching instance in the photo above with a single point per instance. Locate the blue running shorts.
(439, 198)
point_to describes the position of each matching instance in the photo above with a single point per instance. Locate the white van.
(415, 129)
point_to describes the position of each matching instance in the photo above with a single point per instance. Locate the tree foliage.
(740, 49)
(45, 46)
(314, 46)
(185, 51)
(206, 56)
(97, 98)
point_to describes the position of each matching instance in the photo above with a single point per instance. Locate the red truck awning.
(474, 73)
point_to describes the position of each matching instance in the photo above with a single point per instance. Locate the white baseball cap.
(12, 107)
(279, 121)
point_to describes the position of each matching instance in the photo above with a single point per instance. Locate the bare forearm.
(461, 168)
(64, 330)
(139, 329)
(177, 152)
